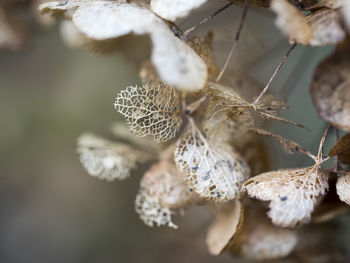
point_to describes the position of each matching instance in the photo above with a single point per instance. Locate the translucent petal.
(214, 171)
(107, 160)
(293, 193)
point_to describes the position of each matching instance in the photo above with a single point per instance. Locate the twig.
(235, 41)
(190, 30)
(257, 100)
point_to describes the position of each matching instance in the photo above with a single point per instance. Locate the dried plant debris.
(343, 188)
(176, 63)
(150, 110)
(108, 160)
(342, 149)
(173, 9)
(293, 193)
(162, 189)
(214, 171)
(330, 88)
(224, 227)
(323, 26)
(346, 13)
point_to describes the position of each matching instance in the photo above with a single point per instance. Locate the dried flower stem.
(235, 41)
(257, 100)
(187, 33)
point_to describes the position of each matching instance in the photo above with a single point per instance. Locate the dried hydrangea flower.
(321, 27)
(173, 9)
(176, 63)
(162, 189)
(108, 160)
(224, 227)
(214, 171)
(330, 88)
(343, 188)
(150, 110)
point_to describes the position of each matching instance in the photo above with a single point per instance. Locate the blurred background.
(50, 209)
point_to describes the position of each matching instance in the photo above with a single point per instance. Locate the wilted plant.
(209, 151)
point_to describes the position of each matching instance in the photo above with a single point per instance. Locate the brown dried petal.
(342, 149)
(224, 227)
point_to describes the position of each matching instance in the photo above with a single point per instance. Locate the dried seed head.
(223, 229)
(330, 89)
(150, 110)
(214, 171)
(293, 193)
(108, 160)
(343, 188)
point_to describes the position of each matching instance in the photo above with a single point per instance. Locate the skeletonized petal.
(150, 110)
(293, 193)
(343, 188)
(172, 9)
(107, 160)
(162, 188)
(214, 171)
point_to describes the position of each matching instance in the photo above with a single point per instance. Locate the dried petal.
(70, 35)
(162, 188)
(214, 171)
(330, 89)
(342, 149)
(326, 27)
(172, 9)
(343, 188)
(224, 227)
(107, 160)
(150, 110)
(291, 21)
(346, 13)
(176, 63)
(267, 242)
(293, 193)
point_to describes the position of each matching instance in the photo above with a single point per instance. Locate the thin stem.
(235, 41)
(336, 159)
(320, 148)
(187, 33)
(194, 105)
(273, 75)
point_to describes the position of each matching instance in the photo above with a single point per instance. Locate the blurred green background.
(50, 209)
